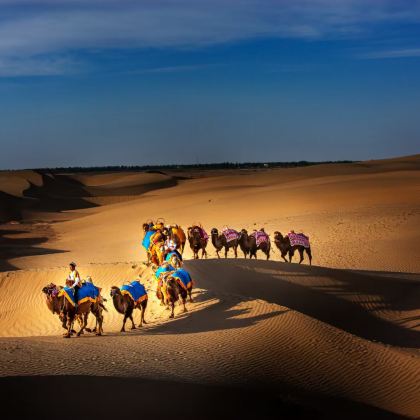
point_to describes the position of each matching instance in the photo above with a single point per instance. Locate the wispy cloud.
(37, 66)
(173, 69)
(30, 29)
(396, 53)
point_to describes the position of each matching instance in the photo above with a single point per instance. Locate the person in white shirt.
(74, 278)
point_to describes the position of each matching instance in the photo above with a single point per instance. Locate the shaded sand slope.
(305, 331)
(363, 216)
(25, 397)
(27, 195)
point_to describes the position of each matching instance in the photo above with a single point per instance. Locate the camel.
(249, 246)
(197, 242)
(154, 249)
(284, 246)
(173, 292)
(157, 254)
(125, 305)
(68, 313)
(220, 241)
(177, 235)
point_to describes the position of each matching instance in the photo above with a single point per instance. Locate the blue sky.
(152, 82)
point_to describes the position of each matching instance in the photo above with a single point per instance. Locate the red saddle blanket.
(298, 239)
(230, 235)
(202, 232)
(260, 237)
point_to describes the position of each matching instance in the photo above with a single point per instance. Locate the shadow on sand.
(131, 398)
(338, 305)
(22, 242)
(222, 313)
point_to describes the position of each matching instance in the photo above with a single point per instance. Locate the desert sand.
(338, 339)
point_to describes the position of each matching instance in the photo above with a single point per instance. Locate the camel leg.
(184, 301)
(291, 253)
(308, 251)
(217, 252)
(301, 255)
(284, 257)
(69, 327)
(173, 310)
(190, 294)
(124, 321)
(99, 321)
(133, 326)
(142, 311)
(64, 322)
(85, 318)
(226, 251)
(235, 249)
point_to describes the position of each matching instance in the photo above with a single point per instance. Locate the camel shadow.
(221, 314)
(301, 288)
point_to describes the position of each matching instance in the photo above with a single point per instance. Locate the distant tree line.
(202, 166)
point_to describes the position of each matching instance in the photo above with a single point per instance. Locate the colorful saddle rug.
(260, 237)
(298, 239)
(147, 239)
(135, 290)
(87, 293)
(230, 235)
(163, 269)
(169, 255)
(183, 278)
(202, 232)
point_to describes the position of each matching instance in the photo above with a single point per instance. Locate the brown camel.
(249, 246)
(284, 246)
(155, 251)
(125, 305)
(54, 302)
(197, 241)
(68, 313)
(169, 292)
(220, 241)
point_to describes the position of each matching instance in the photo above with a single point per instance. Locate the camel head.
(146, 227)
(175, 261)
(51, 290)
(115, 291)
(243, 232)
(194, 232)
(214, 231)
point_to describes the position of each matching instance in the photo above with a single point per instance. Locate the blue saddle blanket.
(183, 277)
(170, 254)
(146, 239)
(135, 290)
(88, 292)
(163, 269)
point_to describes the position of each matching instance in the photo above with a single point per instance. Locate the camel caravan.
(164, 245)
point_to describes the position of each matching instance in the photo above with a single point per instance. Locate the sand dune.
(362, 216)
(340, 338)
(314, 330)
